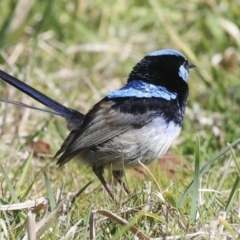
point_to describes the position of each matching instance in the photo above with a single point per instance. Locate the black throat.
(170, 110)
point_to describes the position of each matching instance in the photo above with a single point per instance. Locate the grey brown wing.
(101, 124)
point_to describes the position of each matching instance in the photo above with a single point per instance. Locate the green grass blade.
(195, 181)
(80, 192)
(10, 186)
(235, 159)
(205, 169)
(6, 24)
(49, 191)
(60, 128)
(27, 190)
(220, 184)
(24, 175)
(232, 194)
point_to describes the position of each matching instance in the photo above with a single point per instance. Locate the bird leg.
(99, 173)
(118, 175)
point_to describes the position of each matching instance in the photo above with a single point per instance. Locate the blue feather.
(166, 52)
(141, 89)
(183, 73)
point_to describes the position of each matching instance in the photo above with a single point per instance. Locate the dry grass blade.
(24, 205)
(46, 222)
(4, 230)
(72, 230)
(117, 219)
(154, 179)
(31, 226)
(199, 235)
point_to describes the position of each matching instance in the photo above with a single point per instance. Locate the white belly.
(144, 144)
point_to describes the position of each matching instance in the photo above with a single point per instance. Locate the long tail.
(28, 106)
(72, 116)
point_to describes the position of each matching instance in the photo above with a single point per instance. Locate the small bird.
(136, 123)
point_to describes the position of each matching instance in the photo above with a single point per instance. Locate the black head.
(167, 68)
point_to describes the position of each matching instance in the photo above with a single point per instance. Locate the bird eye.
(185, 64)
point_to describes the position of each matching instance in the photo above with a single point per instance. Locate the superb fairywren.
(135, 123)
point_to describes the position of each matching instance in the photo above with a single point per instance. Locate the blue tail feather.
(69, 114)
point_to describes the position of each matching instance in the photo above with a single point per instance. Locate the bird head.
(167, 68)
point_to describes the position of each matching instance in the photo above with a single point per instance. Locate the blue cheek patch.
(183, 73)
(140, 89)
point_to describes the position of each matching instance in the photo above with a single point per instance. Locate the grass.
(76, 52)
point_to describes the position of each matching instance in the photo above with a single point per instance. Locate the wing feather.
(101, 124)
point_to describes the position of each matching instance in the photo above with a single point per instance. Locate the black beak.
(191, 65)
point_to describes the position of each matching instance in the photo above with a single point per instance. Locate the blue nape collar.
(141, 89)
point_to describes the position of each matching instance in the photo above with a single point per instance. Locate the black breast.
(171, 110)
